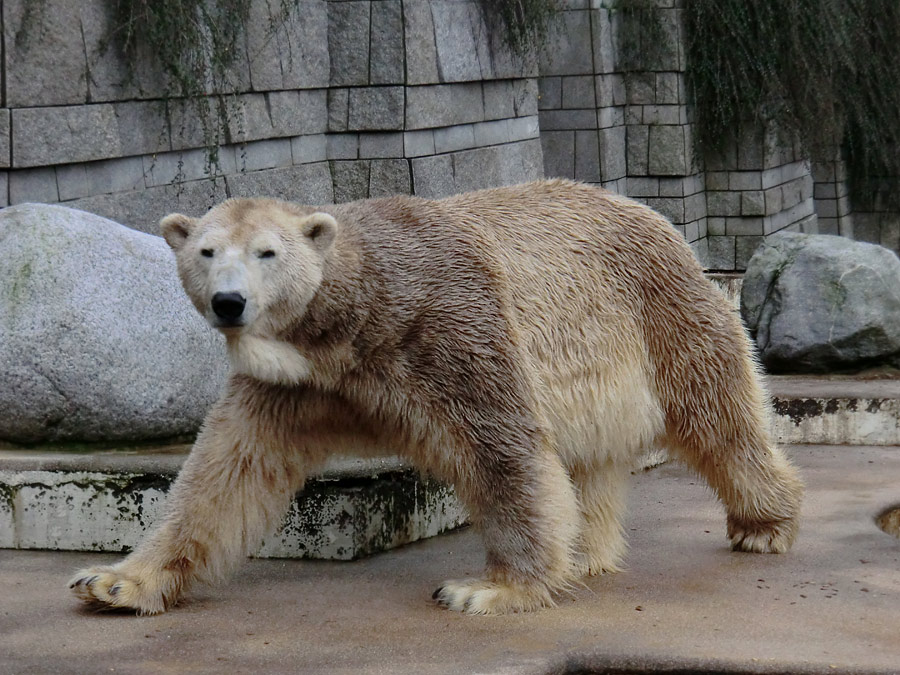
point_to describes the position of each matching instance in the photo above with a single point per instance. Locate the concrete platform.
(686, 603)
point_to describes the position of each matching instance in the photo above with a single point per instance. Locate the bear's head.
(250, 266)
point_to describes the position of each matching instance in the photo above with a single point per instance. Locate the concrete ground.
(685, 603)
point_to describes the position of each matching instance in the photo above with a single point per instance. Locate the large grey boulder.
(816, 303)
(97, 339)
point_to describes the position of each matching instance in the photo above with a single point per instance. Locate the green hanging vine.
(825, 71)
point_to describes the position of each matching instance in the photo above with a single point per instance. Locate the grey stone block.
(667, 153)
(87, 371)
(753, 203)
(723, 203)
(671, 187)
(389, 177)
(492, 133)
(671, 207)
(559, 153)
(97, 178)
(666, 52)
(774, 201)
(461, 39)
(421, 51)
(578, 92)
(433, 176)
(525, 97)
(637, 149)
(550, 93)
(309, 149)
(640, 88)
(302, 49)
(745, 247)
(376, 108)
(143, 209)
(33, 185)
(4, 188)
(348, 42)
(269, 154)
(553, 120)
(523, 128)
(661, 114)
(444, 105)
(499, 100)
(386, 59)
(186, 121)
(701, 251)
(381, 145)
(79, 133)
(610, 90)
(338, 109)
(44, 57)
(342, 146)
(298, 113)
(184, 165)
(695, 207)
(520, 162)
(587, 156)
(418, 143)
(452, 139)
(716, 180)
(667, 88)
(610, 117)
(715, 226)
(350, 180)
(570, 47)
(249, 119)
(643, 187)
(634, 114)
(791, 193)
(721, 253)
(742, 226)
(744, 180)
(142, 127)
(304, 183)
(4, 138)
(613, 159)
(479, 168)
(605, 45)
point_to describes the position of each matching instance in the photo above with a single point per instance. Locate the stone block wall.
(759, 186)
(347, 99)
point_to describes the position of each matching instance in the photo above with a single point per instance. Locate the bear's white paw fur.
(111, 588)
(477, 596)
(761, 537)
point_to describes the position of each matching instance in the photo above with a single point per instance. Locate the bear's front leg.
(524, 505)
(235, 485)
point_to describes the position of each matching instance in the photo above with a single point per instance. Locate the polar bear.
(524, 343)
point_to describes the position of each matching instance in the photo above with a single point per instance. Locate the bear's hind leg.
(601, 495)
(529, 520)
(760, 488)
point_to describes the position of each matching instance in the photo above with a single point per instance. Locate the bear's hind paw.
(476, 596)
(761, 537)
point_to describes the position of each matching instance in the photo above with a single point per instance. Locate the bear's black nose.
(228, 306)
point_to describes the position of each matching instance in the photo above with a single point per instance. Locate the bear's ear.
(175, 228)
(320, 229)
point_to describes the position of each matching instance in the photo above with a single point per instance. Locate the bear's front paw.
(761, 537)
(112, 588)
(476, 596)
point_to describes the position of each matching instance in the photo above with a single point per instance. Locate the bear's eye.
(206, 252)
(269, 253)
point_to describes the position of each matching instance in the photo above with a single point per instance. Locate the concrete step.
(105, 500)
(837, 409)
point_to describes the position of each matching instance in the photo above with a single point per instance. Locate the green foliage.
(524, 24)
(195, 44)
(824, 71)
